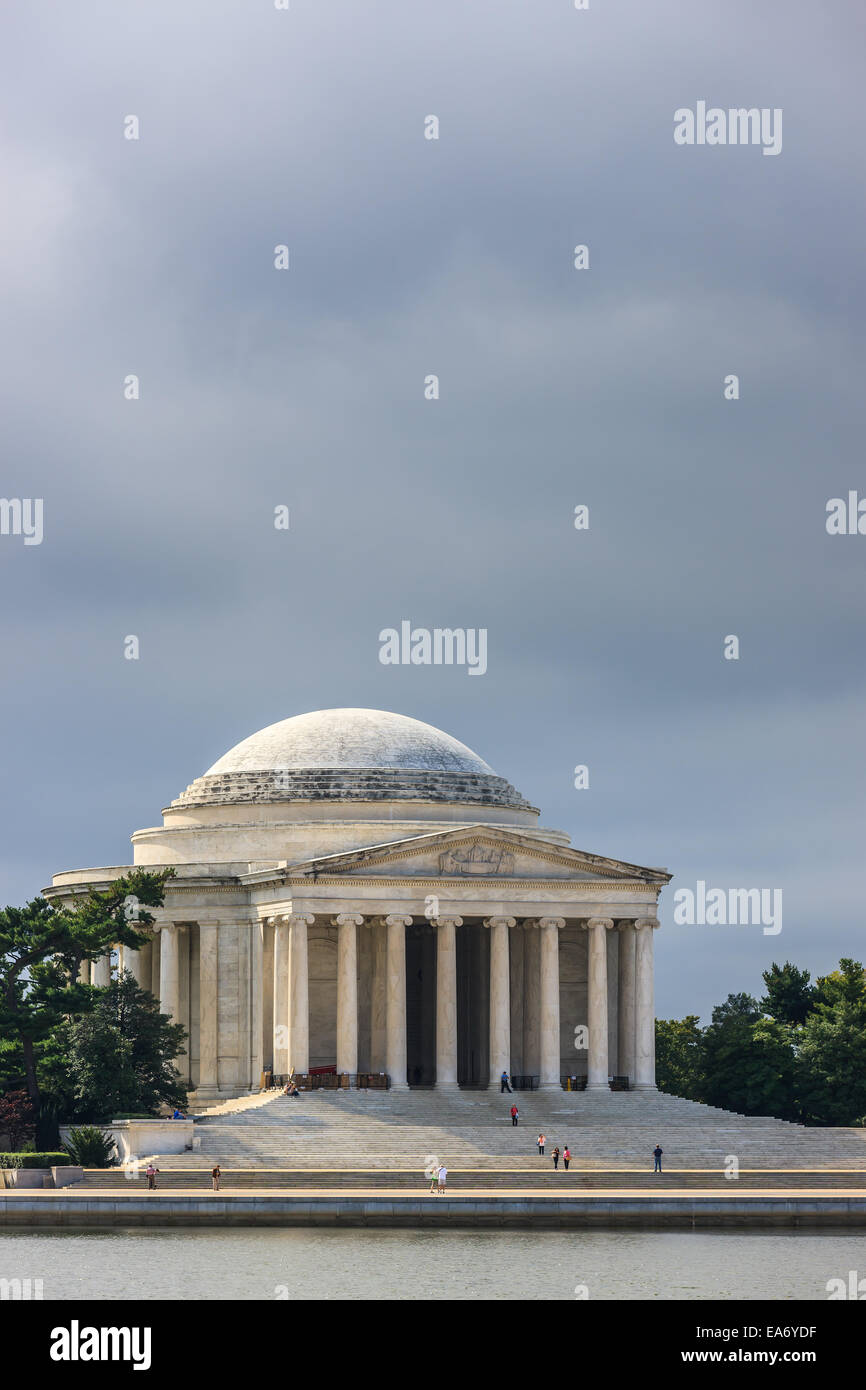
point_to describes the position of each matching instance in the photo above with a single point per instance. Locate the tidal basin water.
(427, 1265)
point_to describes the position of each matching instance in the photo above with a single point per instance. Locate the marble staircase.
(369, 1131)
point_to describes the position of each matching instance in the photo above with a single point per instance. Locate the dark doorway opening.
(473, 1015)
(421, 1005)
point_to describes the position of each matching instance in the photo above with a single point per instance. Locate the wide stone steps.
(486, 1179)
(378, 1131)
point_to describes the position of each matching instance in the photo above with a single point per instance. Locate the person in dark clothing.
(657, 1155)
(503, 1083)
(556, 1158)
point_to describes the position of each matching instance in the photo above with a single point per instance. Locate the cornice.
(303, 885)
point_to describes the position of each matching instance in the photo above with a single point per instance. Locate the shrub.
(17, 1118)
(90, 1148)
(35, 1160)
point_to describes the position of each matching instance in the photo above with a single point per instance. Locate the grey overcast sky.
(558, 387)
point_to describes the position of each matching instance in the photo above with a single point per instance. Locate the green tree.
(831, 1063)
(121, 1055)
(42, 947)
(678, 1056)
(846, 985)
(789, 997)
(748, 1061)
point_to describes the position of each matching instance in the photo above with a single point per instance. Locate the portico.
(469, 943)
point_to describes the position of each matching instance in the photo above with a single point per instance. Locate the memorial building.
(356, 889)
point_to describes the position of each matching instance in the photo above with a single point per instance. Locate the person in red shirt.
(514, 1114)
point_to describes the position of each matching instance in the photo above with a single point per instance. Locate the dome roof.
(345, 755)
(348, 739)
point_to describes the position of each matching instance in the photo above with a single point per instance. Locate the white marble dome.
(349, 739)
(351, 755)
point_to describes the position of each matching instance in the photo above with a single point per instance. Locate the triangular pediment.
(476, 852)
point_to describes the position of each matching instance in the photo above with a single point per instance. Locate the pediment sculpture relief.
(478, 859)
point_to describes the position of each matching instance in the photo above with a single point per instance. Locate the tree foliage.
(678, 1056)
(799, 1054)
(121, 1055)
(42, 947)
(789, 997)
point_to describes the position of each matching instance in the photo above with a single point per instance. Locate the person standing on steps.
(443, 1175)
(503, 1083)
(150, 1173)
(514, 1114)
(434, 1177)
(540, 1141)
(657, 1155)
(556, 1158)
(566, 1157)
(216, 1175)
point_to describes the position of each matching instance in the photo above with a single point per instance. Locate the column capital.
(347, 919)
(652, 922)
(500, 922)
(397, 919)
(298, 919)
(446, 921)
(557, 922)
(603, 923)
(624, 924)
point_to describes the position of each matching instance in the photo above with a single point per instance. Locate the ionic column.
(446, 1001)
(281, 996)
(549, 929)
(154, 963)
(169, 971)
(597, 1072)
(170, 986)
(257, 963)
(626, 1002)
(378, 1002)
(347, 990)
(208, 1008)
(532, 999)
(135, 962)
(129, 961)
(500, 998)
(645, 1046)
(299, 994)
(395, 1003)
(100, 974)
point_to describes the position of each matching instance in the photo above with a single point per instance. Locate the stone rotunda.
(358, 889)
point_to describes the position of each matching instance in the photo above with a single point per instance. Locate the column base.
(597, 1086)
(644, 1086)
(547, 1086)
(447, 1086)
(207, 1092)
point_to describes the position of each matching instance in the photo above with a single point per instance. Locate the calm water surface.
(322, 1264)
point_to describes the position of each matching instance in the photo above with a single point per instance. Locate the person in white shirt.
(443, 1174)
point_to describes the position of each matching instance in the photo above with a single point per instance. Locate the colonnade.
(157, 967)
